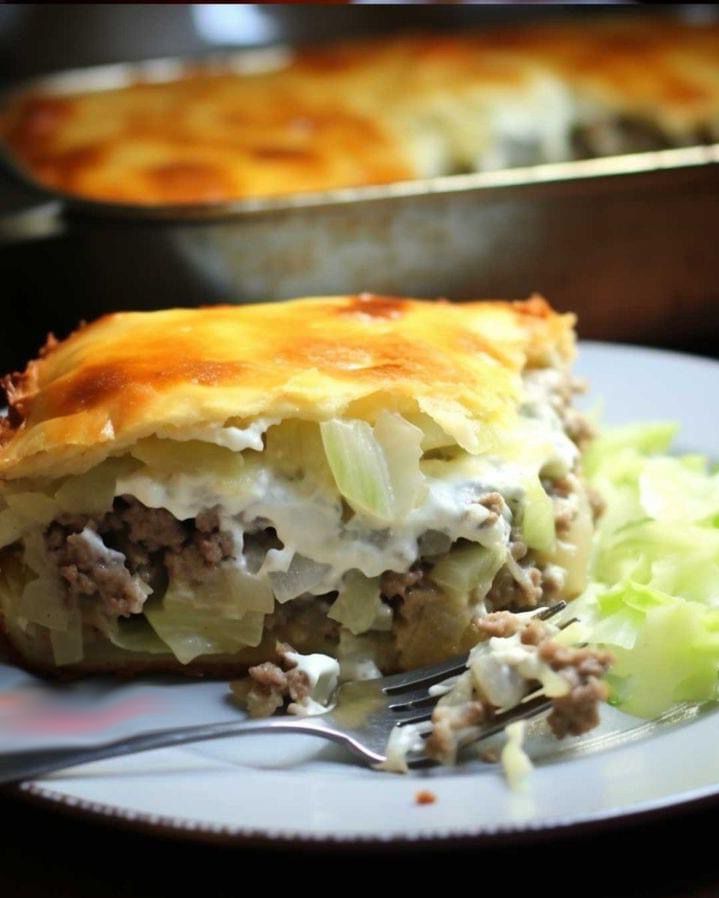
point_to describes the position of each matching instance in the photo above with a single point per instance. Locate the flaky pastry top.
(130, 375)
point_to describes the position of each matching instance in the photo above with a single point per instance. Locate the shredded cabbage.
(515, 761)
(358, 604)
(433, 437)
(665, 486)
(639, 440)
(33, 508)
(295, 448)
(133, 634)
(43, 602)
(376, 469)
(303, 575)
(90, 493)
(11, 527)
(67, 645)
(358, 466)
(24, 511)
(469, 570)
(357, 657)
(654, 599)
(666, 648)
(401, 444)
(93, 492)
(222, 615)
(454, 419)
(179, 457)
(538, 522)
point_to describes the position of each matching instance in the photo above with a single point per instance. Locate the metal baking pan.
(628, 242)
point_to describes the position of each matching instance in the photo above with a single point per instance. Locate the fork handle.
(22, 765)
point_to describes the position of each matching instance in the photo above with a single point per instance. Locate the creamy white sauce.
(308, 515)
(402, 741)
(236, 438)
(502, 667)
(323, 675)
(540, 385)
(515, 761)
(310, 523)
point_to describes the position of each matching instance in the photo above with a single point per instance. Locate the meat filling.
(573, 713)
(577, 711)
(133, 550)
(619, 134)
(129, 552)
(270, 686)
(90, 568)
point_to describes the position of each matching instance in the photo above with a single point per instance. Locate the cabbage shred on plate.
(654, 595)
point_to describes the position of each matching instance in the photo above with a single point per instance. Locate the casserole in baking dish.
(375, 112)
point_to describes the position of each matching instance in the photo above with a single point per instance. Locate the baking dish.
(635, 231)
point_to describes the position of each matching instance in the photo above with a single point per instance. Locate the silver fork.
(361, 720)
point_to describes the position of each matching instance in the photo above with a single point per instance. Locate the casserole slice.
(360, 476)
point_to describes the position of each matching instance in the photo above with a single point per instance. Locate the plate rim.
(188, 830)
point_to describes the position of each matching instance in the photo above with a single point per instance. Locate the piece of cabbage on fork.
(360, 476)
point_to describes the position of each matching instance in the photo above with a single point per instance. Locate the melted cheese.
(655, 70)
(370, 112)
(188, 372)
(366, 113)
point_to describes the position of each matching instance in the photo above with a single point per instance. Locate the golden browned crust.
(370, 112)
(204, 138)
(657, 69)
(345, 116)
(130, 375)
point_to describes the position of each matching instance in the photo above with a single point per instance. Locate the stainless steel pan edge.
(634, 254)
(547, 173)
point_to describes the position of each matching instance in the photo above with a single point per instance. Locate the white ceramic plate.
(298, 788)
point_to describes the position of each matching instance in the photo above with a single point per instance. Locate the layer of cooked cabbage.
(349, 499)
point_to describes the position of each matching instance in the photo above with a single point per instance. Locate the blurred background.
(636, 258)
(38, 38)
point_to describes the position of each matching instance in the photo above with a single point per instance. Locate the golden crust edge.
(545, 330)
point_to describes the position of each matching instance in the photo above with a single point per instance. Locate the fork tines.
(412, 703)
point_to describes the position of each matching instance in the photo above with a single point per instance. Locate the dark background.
(37, 38)
(47, 852)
